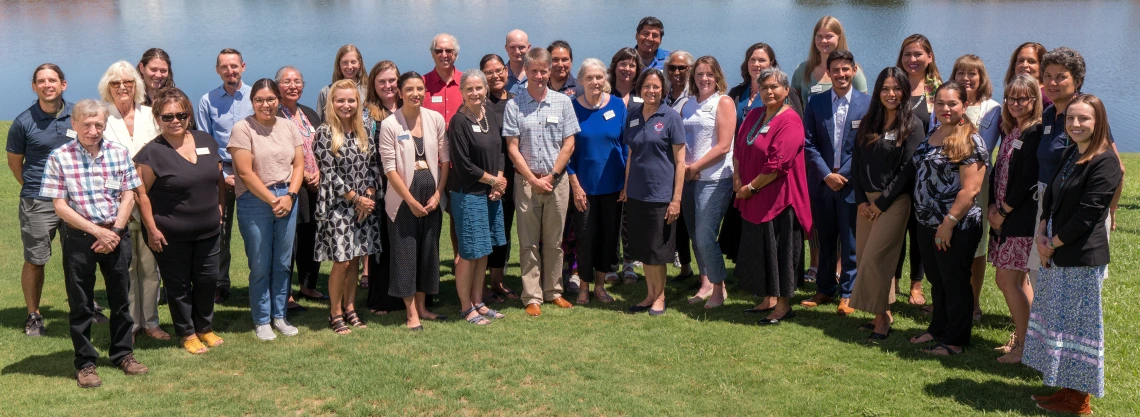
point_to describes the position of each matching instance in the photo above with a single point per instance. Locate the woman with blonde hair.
(348, 65)
(346, 228)
(810, 77)
(131, 123)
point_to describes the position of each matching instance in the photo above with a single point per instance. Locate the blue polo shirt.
(570, 88)
(35, 134)
(658, 60)
(651, 163)
(515, 83)
(218, 112)
(599, 153)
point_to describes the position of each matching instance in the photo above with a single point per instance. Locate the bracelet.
(1001, 211)
(951, 216)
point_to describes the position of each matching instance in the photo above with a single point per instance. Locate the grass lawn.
(589, 360)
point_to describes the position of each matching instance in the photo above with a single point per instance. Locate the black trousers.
(225, 237)
(190, 274)
(684, 250)
(949, 272)
(79, 264)
(304, 245)
(915, 253)
(500, 254)
(597, 230)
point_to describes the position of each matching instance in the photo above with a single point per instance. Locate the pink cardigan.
(400, 155)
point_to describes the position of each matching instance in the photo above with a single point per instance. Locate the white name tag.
(764, 130)
(855, 124)
(890, 136)
(609, 114)
(634, 123)
(202, 151)
(1017, 144)
(638, 100)
(404, 136)
(816, 89)
(476, 129)
(552, 119)
(1048, 129)
(72, 134)
(113, 185)
(437, 99)
(707, 108)
(312, 129)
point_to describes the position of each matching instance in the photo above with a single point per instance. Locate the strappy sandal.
(915, 339)
(157, 333)
(491, 314)
(941, 349)
(338, 326)
(1008, 345)
(194, 346)
(353, 319)
(211, 339)
(604, 297)
(477, 319)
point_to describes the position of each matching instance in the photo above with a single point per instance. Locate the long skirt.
(1065, 340)
(771, 257)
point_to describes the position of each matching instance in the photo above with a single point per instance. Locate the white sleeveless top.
(700, 136)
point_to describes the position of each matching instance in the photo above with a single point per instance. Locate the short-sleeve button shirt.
(652, 164)
(92, 185)
(541, 127)
(444, 97)
(35, 134)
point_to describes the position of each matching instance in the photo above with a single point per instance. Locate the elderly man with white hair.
(441, 84)
(92, 184)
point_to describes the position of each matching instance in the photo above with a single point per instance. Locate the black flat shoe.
(681, 277)
(868, 326)
(877, 337)
(323, 297)
(419, 328)
(770, 322)
(761, 310)
(637, 309)
(660, 312)
(297, 308)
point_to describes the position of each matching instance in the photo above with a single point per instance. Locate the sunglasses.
(441, 51)
(675, 68)
(170, 117)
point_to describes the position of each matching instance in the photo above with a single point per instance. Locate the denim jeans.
(703, 203)
(269, 248)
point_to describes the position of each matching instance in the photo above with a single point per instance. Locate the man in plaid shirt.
(92, 183)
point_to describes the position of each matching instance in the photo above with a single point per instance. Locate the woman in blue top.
(597, 175)
(655, 138)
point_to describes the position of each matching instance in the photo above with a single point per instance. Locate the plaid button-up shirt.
(541, 127)
(92, 185)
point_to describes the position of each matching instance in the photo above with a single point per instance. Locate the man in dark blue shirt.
(650, 31)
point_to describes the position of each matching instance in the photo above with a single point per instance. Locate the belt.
(421, 165)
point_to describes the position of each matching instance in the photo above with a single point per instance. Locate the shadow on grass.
(983, 395)
(55, 320)
(53, 365)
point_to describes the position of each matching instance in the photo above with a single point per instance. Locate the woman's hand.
(865, 211)
(364, 207)
(313, 181)
(943, 234)
(692, 174)
(621, 197)
(1044, 250)
(743, 193)
(580, 200)
(432, 204)
(875, 212)
(500, 185)
(157, 240)
(282, 206)
(672, 211)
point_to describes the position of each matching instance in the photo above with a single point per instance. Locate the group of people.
(616, 164)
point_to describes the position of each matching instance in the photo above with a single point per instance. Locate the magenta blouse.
(780, 149)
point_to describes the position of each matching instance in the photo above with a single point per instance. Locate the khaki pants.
(143, 291)
(878, 246)
(540, 219)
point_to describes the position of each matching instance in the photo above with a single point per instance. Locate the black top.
(878, 167)
(1077, 202)
(1019, 187)
(498, 106)
(475, 148)
(917, 106)
(184, 196)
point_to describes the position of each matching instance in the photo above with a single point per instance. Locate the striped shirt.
(91, 185)
(541, 127)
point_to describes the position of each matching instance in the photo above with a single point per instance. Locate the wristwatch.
(1001, 211)
(118, 230)
(557, 175)
(751, 189)
(293, 196)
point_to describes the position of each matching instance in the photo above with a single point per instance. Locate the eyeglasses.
(260, 101)
(441, 51)
(499, 71)
(169, 117)
(122, 83)
(1020, 101)
(675, 68)
(290, 83)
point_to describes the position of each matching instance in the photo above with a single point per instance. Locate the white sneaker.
(284, 327)
(264, 332)
(574, 284)
(628, 275)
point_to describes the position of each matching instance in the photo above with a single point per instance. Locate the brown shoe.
(561, 302)
(533, 309)
(816, 300)
(1071, 402)
(87, 378)
(1051, 398)
(130, 366)
(844, 307)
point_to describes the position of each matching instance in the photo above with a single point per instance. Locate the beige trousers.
(143, 292)
(878, 246)
(540, 219)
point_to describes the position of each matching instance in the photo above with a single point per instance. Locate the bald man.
(518, 44)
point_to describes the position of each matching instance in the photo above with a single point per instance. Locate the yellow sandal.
(211, 339)
(194, 346)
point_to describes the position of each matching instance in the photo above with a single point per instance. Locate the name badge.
(816, 89)
(1017, 144)
(609, 114)
(764, 130)
(638, 100)
(202, 151)
(855, 124)
(113, 185)
(634, 123)
(312, 129)
(890, 136)
(72, 134)
(476, 129)
(1048, 130)
(404, 136)
(437, 99)
(707, 108)
(552, 119)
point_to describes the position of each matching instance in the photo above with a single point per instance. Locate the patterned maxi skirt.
(1065, 340)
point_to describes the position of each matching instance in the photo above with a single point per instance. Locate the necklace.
(592, 105)
(484, 125)
(417, 144)
(761, 127)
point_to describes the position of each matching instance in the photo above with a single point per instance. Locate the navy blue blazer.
(819, 128)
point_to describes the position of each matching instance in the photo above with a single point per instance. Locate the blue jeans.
(269, 247)
(703, 203)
